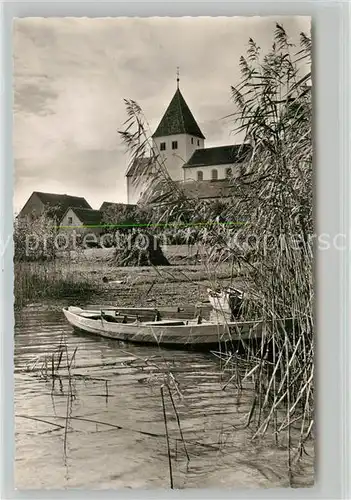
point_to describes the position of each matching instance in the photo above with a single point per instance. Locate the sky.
(72, 74)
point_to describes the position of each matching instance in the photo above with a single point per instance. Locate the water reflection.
(115, 432)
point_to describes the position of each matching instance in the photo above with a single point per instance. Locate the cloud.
(72, 74)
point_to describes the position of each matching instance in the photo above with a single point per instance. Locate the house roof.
(158, 194)
(178, 119)
(138, 166)
(220, 155)
(108, 204)
(87, 216)
(206, 189)
(59, 203)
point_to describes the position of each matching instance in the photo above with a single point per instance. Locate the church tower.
(177, 136)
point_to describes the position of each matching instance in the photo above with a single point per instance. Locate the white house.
(81, 220)
(181, 147)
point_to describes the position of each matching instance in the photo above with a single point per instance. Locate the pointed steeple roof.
(178, 119)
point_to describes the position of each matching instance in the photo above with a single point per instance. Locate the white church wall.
(191, 173)
(175, 158)
(192, 144)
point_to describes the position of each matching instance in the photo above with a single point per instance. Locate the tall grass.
(273, 196)
(34, 281)
(274, 112)
(37, 272)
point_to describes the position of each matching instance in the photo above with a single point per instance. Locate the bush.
(139, 248)
(34, 238)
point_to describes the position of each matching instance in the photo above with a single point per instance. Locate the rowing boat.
(142, 312)
(133, 328)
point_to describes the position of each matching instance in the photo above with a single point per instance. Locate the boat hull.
(172, 332)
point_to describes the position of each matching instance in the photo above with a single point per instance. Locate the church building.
(181, 147)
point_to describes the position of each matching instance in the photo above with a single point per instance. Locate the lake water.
(106, 429)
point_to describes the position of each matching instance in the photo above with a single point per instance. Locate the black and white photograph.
(164, 243)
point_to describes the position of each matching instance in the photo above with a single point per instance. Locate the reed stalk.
(167, 439)
(272, 199)
(178, 422)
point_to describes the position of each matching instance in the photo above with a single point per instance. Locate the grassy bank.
(82, 281)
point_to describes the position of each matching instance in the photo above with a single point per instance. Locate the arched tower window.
(214, 174)
(200, 175)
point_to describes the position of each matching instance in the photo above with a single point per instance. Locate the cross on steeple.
(177, 77)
